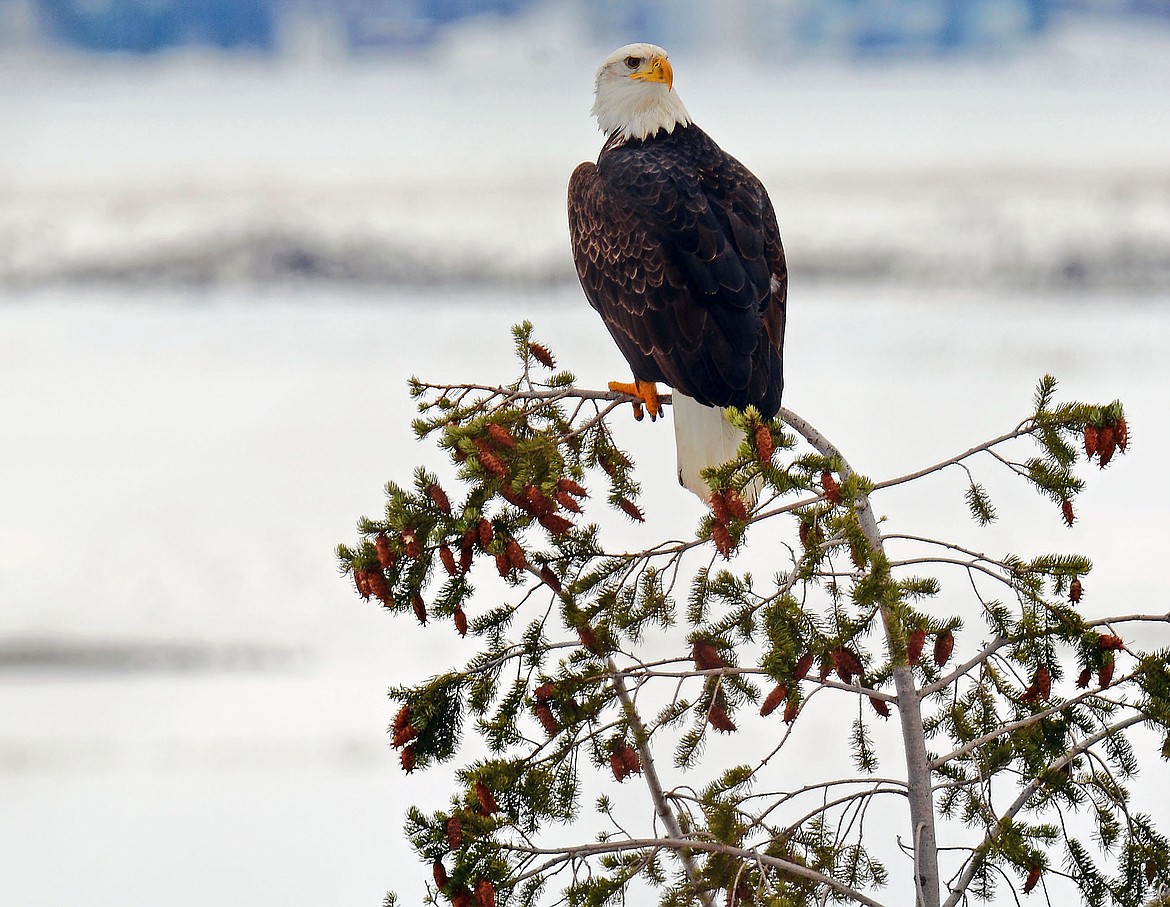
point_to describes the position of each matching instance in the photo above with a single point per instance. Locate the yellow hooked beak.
(656, 69)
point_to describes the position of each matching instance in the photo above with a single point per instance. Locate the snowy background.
(216, 274)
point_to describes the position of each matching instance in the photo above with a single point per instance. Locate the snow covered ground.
(215, 280)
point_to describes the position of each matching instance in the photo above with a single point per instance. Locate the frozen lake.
(193, 700)
(1039, 170)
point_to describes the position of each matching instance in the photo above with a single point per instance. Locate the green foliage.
(585, 673)
(980, 504)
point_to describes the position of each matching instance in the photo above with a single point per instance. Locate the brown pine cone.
(944, 643)
(719, 719)
(707, 657)
(778, 695)
(764, 445)
(436, 494)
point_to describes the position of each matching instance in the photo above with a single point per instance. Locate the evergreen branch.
(997, 829)
(520, 446)
(512, 394)
(1025, 722)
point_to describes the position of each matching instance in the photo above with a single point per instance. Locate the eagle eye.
(633, 62)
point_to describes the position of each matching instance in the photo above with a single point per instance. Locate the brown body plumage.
(677, 248)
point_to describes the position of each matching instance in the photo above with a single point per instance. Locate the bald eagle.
(677, 248)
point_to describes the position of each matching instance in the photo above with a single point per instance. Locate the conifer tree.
(987, 714)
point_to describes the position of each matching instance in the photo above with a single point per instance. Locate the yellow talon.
(644, 392)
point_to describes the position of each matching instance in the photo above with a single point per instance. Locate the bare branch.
(1024, 428)
(650, 774)
(943, 682)
(562, 854)
(1129, 618)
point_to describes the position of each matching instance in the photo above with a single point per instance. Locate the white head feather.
(633, 97)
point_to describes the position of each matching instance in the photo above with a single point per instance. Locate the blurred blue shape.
(675, 24)
(1143, 8)
(444, 11)
(880, 28)
(401, 23)
(384, 23)
(146, 26)
(915, 27)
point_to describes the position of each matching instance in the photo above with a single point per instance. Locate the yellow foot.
(645, 392)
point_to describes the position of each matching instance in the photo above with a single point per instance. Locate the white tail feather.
(703, 438)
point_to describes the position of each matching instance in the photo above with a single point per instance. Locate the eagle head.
(633, 94)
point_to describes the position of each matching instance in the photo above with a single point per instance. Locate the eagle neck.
(679, 133)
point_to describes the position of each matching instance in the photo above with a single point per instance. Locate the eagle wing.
(682, 258)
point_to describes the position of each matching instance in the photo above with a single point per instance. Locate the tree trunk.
(918, 778)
